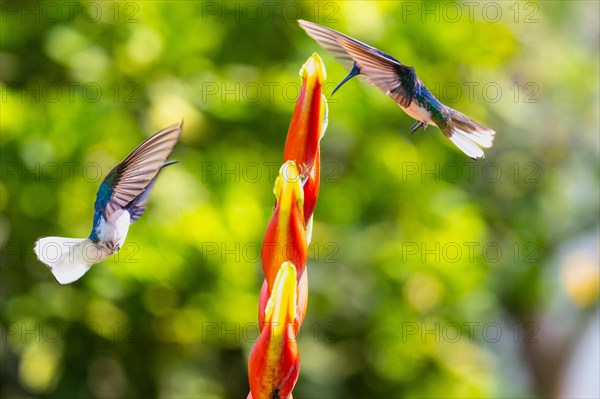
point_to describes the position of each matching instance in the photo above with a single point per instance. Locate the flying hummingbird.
(401, 83)
(120, 201)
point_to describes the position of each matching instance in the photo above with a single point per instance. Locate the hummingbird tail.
(68, 258)
(468, 135)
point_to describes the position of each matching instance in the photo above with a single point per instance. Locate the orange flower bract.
(306, 129)
(274, 364)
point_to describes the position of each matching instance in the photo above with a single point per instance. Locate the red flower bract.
(275, 363)
(306, 129)
(285, 238)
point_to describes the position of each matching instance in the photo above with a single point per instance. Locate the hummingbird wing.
(138, 205)
(131, 179)
(329, 40)
(389, 75)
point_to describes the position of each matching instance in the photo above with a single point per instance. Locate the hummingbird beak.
(354, 72)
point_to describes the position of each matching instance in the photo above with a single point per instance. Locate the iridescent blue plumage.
(102, 198)
(427, 101)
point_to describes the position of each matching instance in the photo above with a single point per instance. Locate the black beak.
(354, 72)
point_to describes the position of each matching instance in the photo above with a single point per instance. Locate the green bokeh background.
(430, 275)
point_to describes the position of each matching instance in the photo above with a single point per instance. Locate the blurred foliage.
(174, 313)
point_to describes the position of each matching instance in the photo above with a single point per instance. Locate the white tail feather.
(468, 135)
(69, 258)
(466, 144)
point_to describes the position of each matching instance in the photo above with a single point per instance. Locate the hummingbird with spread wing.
(401, 83)
(120, 201)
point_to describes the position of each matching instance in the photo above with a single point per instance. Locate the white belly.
(115, 229)
(418, 113)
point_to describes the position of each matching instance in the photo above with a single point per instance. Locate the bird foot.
(417, 126)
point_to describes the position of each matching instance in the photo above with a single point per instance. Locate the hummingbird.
(401, 83)
(120, 201)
